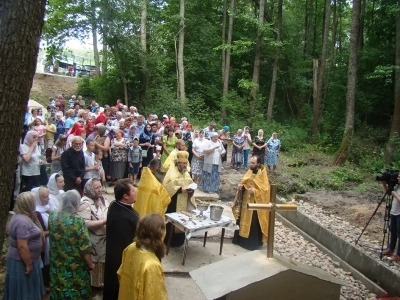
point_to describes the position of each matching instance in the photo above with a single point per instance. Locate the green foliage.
(84, 87)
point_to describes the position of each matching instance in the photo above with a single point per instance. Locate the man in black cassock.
(73, 165)
(120, 231)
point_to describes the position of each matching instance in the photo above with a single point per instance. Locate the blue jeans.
(394, 232)
(246, 158)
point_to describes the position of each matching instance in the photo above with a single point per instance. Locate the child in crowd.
(157, 155)
(91, 166)
(135, 160)
(41, 130)
(100, 174)
(50, 132)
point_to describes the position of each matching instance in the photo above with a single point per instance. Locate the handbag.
(144, 153)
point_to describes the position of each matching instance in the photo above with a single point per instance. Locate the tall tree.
(321, 74)
(276, 64)
(227, 61)
(143, 44)
(257, 60)
(343, 152)
(21, 23)
(181, 68)
(94, 35)
(395, 128)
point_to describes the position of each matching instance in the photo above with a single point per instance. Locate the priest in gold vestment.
(151, 196)
(141, 275)
(176, 183)
(254, 188)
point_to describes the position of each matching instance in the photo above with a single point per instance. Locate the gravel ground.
(292, 245)
(347, 232)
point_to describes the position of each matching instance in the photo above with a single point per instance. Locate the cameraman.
(394, 222)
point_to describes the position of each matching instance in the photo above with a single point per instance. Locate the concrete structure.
(374, 270)
(253, 276)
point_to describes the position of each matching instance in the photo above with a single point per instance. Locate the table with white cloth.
(197, 226)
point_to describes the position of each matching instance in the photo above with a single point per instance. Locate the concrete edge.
(374, 270)
(370, 285)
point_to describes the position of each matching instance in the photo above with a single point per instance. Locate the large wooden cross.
(271, 207)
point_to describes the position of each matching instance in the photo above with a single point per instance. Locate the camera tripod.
(387, 199)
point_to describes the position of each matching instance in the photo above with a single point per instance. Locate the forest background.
(324, 74)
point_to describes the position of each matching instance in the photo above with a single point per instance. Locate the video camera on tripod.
(389, 176)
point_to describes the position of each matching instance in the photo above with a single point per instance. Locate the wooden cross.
(271, 207)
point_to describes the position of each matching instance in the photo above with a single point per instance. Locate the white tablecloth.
(182, 222)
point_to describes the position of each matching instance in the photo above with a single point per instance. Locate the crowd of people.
(62, 224)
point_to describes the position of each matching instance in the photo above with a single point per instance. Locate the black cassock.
(120, 231)
(177, 239)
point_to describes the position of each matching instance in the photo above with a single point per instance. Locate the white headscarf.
(44, 211)
(54, 193)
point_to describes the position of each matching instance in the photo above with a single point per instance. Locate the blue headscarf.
(94, 109)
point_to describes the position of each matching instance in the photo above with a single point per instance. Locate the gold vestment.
(151, 197)
(141, 276)
(173, 181)
(260, 184)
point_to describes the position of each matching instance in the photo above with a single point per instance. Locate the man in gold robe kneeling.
(254, 188)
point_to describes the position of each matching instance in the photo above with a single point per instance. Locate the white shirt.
(217, 152)
(31, 168)
(199, 145)
(395, 211)
(89, 162)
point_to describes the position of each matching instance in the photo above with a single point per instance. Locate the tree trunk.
(94, 34)
(105, 57)
(395, 129)
(362, 21)
(223, 39)
(276, 66)
(321, 74)
(333, 44)
(143, 43)
(344, 149)
(225, 88)
(126, 97)
(19, 46)
(181, 77)
(257, 61)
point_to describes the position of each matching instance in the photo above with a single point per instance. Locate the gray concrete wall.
(375, 270)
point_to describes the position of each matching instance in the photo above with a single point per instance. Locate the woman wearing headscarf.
(42, 213)
(89, 128)
(273, 149)
(70, 251)
(213, 152)
(25, 237)
(93, 210)
(237, 150)
(78, 131)
(147, 141)
(259, 145)
(56, 188)
(31, 161)
(58, 148)
(196, 165)
(102, 142)
(131, 134)
(96, 111)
